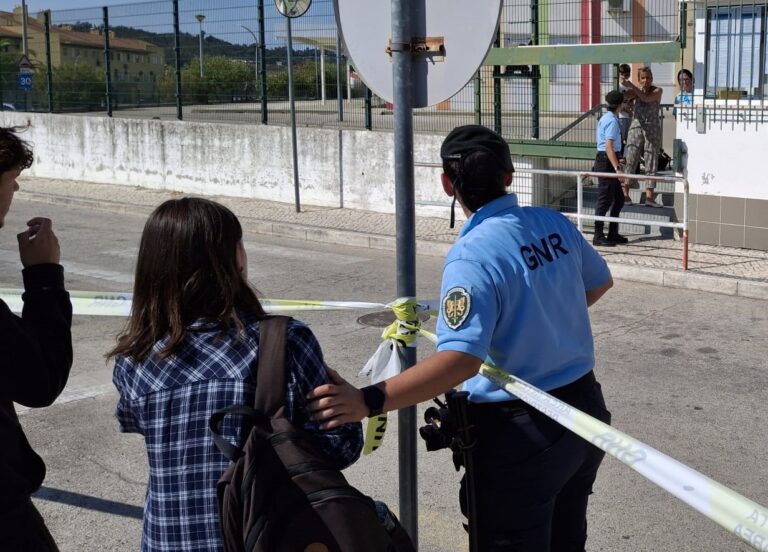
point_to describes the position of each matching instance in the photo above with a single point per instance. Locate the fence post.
(535, 74)
(368, 114)
(579, 202)
(107, 62)
(48, 69)
(339, 89)
(683, 24)
(262, 62)
(497, 89)
(177, 58)
(478, 98)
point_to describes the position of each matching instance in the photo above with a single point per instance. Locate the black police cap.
(614, 97)
(467, 139)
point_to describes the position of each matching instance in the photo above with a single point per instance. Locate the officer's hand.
(336, 403)
(38, 244)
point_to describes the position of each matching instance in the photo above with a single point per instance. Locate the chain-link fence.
(225, 60)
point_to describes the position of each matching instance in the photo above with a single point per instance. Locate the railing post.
(107, 63)
(685, 224)
(48, 68)
(177, 58)
(579, 202)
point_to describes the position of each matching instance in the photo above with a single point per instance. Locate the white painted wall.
(728, 158)
(726, 155)
(349, 168)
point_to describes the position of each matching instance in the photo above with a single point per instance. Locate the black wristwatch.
(374, 400)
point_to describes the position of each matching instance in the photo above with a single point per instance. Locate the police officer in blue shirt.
(609, 192)
(515, 292)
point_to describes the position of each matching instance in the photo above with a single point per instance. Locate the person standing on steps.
(610, 197)
(645, 133)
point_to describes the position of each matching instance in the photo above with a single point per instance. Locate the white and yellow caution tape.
(98, 303)
(107, 303)
(739, 515)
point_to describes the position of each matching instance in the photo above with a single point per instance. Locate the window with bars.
(736, 66)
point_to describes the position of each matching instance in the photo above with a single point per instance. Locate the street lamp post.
(200, 18)
(256, 57)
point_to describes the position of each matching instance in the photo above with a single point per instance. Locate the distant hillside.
(189, 45)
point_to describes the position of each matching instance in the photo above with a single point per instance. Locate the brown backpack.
(280, 494)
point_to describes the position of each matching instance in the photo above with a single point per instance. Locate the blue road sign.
(25, 81)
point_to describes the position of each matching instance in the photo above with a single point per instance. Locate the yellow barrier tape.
(375, 428)
(739, 515)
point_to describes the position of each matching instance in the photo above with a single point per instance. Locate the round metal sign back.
(449, 41)
(293, 8)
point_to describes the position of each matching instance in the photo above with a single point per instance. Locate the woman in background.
(645, 132)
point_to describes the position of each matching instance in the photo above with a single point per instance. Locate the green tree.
(76, 87)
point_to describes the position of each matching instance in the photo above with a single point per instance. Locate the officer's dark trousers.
(533, 476)
(609, 195)
(23, 530)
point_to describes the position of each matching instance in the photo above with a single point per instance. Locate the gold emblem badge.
(456, 305)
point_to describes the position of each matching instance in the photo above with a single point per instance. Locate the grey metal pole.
(263, 62)
(177, 58)
(107, 63)
(293, 117)
(339, 89)
(406, 242)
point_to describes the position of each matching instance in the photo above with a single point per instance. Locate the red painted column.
(585, 31)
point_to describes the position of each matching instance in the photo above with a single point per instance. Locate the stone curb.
(655, 276)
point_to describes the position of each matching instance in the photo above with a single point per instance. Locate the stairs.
(637, 211)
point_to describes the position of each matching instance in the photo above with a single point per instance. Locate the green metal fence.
(225, 61)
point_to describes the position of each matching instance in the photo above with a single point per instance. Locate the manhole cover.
(382, 319)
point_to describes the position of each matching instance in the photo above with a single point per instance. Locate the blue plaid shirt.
(170, 401)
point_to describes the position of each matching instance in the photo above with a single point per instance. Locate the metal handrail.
(580, 216)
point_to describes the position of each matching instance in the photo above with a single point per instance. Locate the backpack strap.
(270, 375)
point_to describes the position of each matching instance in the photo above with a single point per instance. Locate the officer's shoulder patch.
(456, 305)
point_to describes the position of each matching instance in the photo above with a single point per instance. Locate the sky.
(225, 19)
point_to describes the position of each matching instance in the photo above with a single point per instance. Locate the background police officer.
(609, 191)
(515, 291)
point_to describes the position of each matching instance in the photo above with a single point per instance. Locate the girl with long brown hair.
(191, 348)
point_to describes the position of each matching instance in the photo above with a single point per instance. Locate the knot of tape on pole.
(388, 360)
(405, 329)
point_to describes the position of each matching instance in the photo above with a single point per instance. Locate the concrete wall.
(350, 168)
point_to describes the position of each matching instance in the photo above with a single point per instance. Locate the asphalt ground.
(682, 370)
(655, 261)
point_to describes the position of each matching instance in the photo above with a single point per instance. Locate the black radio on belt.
(439, 431)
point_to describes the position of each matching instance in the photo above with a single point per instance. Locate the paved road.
(682, 370)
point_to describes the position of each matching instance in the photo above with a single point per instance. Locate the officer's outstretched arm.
(593, 295)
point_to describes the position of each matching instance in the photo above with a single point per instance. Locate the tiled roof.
(75, 38)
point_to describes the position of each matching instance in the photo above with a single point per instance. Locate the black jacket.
(35, 358)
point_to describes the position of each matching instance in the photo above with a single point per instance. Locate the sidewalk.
(729, 271)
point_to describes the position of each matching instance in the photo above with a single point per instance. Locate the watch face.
(292, 8)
